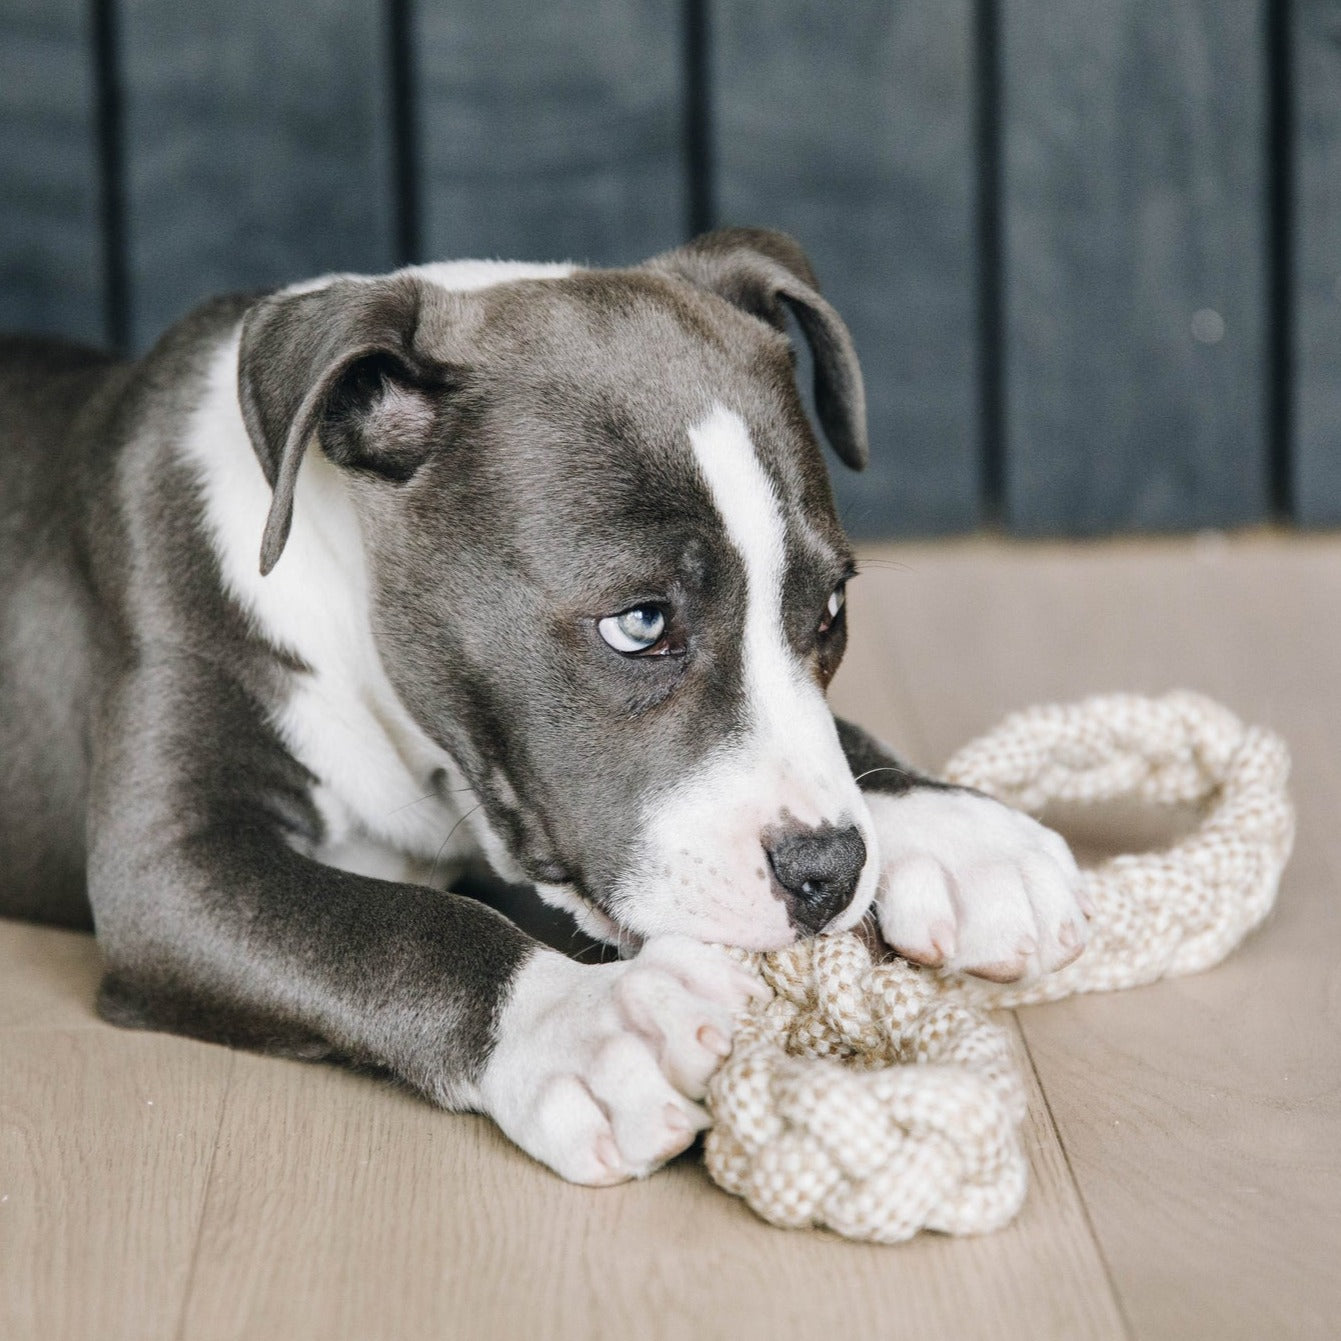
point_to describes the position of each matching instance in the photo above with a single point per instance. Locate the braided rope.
(880, 1098)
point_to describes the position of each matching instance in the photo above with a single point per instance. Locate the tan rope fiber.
(880, 1098)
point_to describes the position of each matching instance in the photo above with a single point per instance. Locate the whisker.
(592, 945)
(888, 565)
(586, 953)
(887, 768)
(433, 870)
(427, 796)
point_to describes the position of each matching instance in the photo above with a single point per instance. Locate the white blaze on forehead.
(752, 515)
(458, 276)
(703, 867)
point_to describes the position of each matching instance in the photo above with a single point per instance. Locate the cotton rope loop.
(879, 1098)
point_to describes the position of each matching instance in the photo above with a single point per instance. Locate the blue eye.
(636, 630)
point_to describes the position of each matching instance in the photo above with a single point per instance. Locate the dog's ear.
(339, 362)
(760, 270)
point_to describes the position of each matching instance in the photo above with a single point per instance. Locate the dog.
(345, 585)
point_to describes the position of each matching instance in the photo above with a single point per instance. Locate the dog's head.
(608, 576)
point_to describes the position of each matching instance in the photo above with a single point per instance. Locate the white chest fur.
(389, 796)
(394, 804)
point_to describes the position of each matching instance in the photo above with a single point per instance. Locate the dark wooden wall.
(1091, 253)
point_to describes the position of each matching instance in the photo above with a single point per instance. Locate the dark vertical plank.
(1316, 299)
(257, 147)
(550, 131)
(51, 261)
(1134, 210)
(851, 126)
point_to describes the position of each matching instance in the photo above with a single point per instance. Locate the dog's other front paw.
(598, 1068)
(971, 885)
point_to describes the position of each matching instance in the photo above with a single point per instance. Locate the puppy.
(345, 585)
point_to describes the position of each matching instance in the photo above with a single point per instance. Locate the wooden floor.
(1185, 1138)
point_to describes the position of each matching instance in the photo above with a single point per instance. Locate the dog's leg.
(965, 882)
(212, 923)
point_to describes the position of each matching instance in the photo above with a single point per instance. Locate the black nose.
(819, 869)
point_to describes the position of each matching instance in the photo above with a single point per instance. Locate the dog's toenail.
(929, 958)
(677, 1121)
(607, 1153)
(1002, 972)
(943, 938)
(1072, 954)
(714, 1040)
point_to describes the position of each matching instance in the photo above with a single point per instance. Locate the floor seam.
(179, 1333)
(903, 691)
(1113, 1290)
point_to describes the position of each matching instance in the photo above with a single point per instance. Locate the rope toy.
(879, 1098)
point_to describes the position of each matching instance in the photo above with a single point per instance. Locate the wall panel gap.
(108, 98)
(700, 167)
(1280, 259)
(405, 157)
(987, 224)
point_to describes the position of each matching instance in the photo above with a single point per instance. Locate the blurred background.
(1090, 252)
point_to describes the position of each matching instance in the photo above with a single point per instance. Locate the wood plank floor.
(1185, 1138)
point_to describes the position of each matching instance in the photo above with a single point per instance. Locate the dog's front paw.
(598, 1068)
(971, 885)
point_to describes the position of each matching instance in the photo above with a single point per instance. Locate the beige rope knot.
(863, 1098)
(880, 1098)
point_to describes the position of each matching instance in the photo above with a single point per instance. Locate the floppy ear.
(338, 362)
(760, 270)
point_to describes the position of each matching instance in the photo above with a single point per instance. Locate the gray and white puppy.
(344, 584)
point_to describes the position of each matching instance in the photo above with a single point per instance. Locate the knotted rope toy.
(879, 1098)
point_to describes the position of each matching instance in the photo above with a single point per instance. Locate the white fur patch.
(748, 505)
(388, 795)
(974, 886)
(344, 721)
(705, 872)
(598, 1067)
(458, 276)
